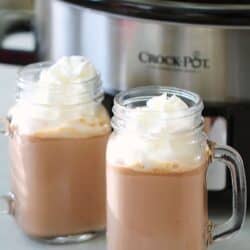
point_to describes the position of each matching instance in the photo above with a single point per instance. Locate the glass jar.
(58, 139)
(156, 175)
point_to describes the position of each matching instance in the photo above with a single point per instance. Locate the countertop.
(11, 237)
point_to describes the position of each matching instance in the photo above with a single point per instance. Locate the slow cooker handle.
(13, 21)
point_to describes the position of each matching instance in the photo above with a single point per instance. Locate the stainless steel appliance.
(203, 46)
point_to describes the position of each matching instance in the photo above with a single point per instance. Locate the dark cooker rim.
(175, 11)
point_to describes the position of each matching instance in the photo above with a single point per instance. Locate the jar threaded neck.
(127, 108)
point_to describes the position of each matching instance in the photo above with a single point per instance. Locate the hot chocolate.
(160, 208)
(59, 184)
(58, 135)
(156, 176)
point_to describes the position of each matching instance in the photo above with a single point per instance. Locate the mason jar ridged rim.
(123, 110)
(29, 75)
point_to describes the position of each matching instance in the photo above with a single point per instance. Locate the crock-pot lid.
(217, 12)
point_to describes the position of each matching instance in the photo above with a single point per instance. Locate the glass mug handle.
(6, 201)
(232, 159)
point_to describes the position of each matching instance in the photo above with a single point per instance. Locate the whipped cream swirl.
(160, 132)
(60, 98)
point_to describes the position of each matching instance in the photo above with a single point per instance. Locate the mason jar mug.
(157, 160)
(58, 130)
